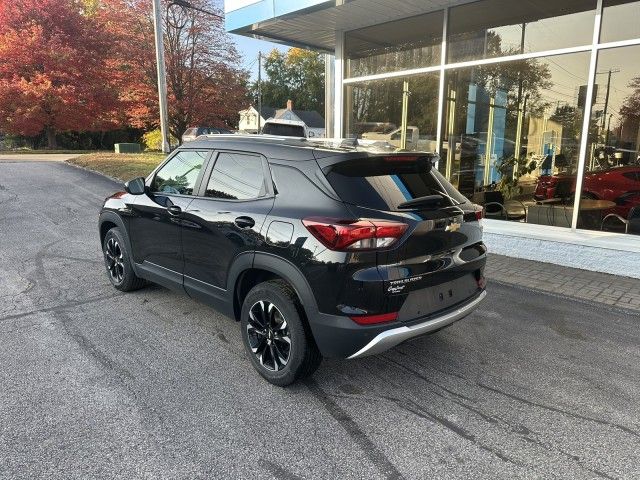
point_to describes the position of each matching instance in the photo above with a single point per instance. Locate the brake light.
(374, 319)
(479, 214)
(355, 234)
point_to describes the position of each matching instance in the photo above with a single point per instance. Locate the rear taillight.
(374, 319)
(355, 234)
(480, 214)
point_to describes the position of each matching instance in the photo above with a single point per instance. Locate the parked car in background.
(194, 132)
(318, 250)
(285, 128)
(620, 185)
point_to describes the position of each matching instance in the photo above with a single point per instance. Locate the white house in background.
(312, 119)
(249, 118)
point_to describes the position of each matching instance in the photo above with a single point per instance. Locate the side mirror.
(135, 186)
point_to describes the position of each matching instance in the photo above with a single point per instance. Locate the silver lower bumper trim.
(391, 338)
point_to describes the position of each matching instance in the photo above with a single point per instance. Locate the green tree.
(296, 75)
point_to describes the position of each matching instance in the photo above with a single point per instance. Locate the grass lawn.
(123, 166)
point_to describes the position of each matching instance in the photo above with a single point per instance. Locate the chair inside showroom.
(631, 224)
(496, 207)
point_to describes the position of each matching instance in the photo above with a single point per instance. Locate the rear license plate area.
(427, 301)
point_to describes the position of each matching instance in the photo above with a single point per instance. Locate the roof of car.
(288, 148)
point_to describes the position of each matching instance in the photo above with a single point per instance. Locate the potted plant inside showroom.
(511, 169)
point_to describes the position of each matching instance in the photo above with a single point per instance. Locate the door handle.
(174, 210)
(245, 222)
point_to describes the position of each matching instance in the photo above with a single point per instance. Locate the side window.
(179, 175)
(236, 176)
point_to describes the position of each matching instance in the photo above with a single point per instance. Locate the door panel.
(227, 220)
(215, 232)
(155, 225)
(155, 233)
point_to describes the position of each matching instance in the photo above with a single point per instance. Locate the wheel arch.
(109, 220)
(266, 267)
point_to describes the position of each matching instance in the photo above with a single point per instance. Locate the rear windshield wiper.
(426, 201)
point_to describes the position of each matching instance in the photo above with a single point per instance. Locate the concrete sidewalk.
(37, 157)
(617, 291)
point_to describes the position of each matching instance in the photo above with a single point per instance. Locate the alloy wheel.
(268, 334)
(115, 260)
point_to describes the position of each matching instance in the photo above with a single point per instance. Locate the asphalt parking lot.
(99, 384)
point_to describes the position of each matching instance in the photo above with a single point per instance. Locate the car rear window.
(384, 184)
(283, 130)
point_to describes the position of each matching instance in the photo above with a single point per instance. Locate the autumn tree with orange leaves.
(52, 70)
(89, 65)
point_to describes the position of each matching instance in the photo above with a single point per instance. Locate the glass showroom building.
(526, 101)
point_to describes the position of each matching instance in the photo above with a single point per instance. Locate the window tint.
(236, 176)
(407, 43)
(495, 28)
(383, 185)
(179, 175)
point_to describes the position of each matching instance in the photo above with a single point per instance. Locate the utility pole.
(259, 92)
(606, 99)
(162, 78)
(606, 137)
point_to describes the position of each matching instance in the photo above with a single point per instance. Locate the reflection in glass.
(611, 185)
(179, 175)
(375, 112)
(236, 176)
(408, 43)
(620, 20)
(507, 127)
(495, 28)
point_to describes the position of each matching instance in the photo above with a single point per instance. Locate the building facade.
(534, 107)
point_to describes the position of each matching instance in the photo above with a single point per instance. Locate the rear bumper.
(390, 338)
(340, 337)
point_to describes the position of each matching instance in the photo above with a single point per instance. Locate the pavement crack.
(278, 471)
(422, 412)
(60, 308)
(425, 379)
(559, 410)
(517, 398)
(369, 448)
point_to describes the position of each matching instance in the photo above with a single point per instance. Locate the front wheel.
(275, 334)
(118, 262)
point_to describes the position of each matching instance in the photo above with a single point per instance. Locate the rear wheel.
(118, 262)
(275, 334)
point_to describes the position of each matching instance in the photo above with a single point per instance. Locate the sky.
(249, 47)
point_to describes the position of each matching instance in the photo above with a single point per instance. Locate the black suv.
(317, 249)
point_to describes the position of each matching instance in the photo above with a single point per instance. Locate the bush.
(153, 140)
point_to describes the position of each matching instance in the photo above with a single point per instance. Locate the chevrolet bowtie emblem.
(453, 227)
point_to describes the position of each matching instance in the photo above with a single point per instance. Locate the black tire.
(117, 261)
(268, 351)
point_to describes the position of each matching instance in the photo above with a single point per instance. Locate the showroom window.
(375, 111)
(399, 45)
(610, 197)
(495, 28)
(507, 126)
(620, 21)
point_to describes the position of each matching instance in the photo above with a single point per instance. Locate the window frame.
(198, 183)
(213, 160)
